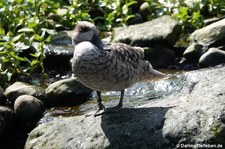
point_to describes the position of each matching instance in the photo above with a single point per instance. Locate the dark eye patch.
(84, 29)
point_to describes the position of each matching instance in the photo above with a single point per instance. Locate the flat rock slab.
(196, 115)
(161, 31)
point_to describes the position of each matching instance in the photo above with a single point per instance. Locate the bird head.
(84, 31)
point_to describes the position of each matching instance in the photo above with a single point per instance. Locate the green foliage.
(25, 25)
(190, 14)
(21, 24)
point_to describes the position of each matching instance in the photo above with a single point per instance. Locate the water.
(137, 95)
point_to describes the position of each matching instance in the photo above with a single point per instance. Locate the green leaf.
(2, 31)
(110, 17)
(131, 3)
(26, 30)
(49, 31)
(18, 37)
(34, 62)
(37, 37)
(48, 39)
(36, 55)
(32, 24)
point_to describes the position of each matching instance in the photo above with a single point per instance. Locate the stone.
(193, 52)
(161, 31)
(20, 88)
(194, 115)
(212, 20)
(159, 56)
(212, 57)
(67, 92)
(2, 96)
(60, 54)
(62, 38)
(28, 108)
(212, 35)
(7, 121)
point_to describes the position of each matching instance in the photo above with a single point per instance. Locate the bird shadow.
(135, 128)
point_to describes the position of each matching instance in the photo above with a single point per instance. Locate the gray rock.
(212, 57)
(161, 31)
(2, 96)
(7, 121)
(212, 20)
(28, 108)
(159, 56)
(20, 88)
(196, 115)
(193, 52)
(212, 35)
(67, 92)
(62, 38)
(58, 57)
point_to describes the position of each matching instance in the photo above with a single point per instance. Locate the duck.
(108, 66)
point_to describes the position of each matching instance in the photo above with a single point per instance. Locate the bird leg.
(119, 106)
(101, 107)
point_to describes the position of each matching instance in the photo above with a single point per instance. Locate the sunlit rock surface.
(190, 112)
(162, 31)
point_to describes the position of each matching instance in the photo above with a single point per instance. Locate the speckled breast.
(99, 70)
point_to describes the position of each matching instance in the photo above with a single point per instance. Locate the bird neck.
(97, 42)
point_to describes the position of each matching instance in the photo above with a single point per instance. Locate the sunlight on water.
(139, 94)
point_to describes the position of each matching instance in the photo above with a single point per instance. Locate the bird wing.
(126, 53)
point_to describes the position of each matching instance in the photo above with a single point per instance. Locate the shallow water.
(139, 94)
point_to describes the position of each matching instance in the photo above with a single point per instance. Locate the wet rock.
(59, 51)
(161, 31)
(28, 108)
(58, 57)
(193, 52)
(67, 92)
(20, 88)
(196, 115)
(2, 96)
(62, 38)
(159, 56)
(7, 121)
(212, 57)
(212, 35)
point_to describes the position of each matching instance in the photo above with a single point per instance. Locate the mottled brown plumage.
(107, 67)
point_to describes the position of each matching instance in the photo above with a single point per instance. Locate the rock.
(2, 96)
(60, 50)
(7, 121)
(212, 57)
(212, 35)
(62, 38)
(159, 56)
(194, 115)
(20, 88)
(58, 57)
(193, 52)
(28, 108)
(212, 20)
(67, 92)
(161, 31)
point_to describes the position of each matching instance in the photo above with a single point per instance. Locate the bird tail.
(156, 75)
(150, 73)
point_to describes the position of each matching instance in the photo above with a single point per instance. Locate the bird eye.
(84, 29)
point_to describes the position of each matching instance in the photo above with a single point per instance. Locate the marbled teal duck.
(107, 67)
